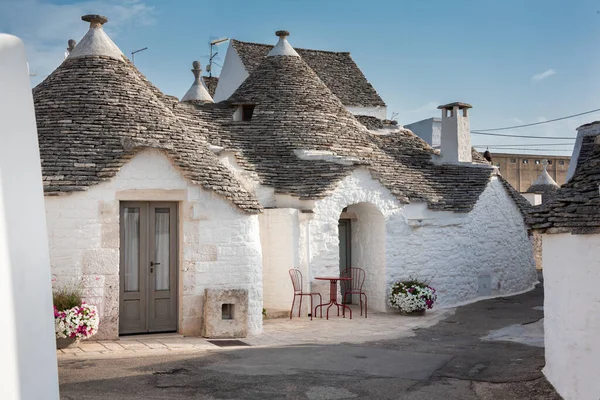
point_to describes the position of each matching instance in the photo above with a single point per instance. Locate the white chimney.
(456, 133)
(591, 129)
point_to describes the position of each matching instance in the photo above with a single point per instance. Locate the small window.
(498, 165)
(513, 160)
(561, 162)
(227, 311)
(549, 162)
(247, 112)
(525, 161)
(538, 162)
(243, 112)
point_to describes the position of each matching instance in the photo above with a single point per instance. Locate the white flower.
(80, 322)
(411, 297)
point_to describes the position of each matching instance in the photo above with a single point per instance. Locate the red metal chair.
(354, 286)
(296, 276)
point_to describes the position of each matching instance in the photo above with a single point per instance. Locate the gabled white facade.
(219, 245)
(232, 75)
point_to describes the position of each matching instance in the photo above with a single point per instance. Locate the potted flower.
(73, 318)
(412, 296)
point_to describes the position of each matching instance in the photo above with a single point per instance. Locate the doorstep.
(136, 346)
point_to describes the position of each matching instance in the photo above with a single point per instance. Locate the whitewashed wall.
(232, 75)
(571, 314)
(280, 236)
(358, 188)
(460, 253)
(368, 250)
(219, 244)
(378, 112)
(28, 364)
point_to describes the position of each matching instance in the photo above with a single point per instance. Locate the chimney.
(456, 133)
(591, 129)
(95, 20)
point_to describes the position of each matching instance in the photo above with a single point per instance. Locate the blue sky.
(515, 61)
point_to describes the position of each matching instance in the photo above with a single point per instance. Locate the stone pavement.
(276, 332)
(379, 358)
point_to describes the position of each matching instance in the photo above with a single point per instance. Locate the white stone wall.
(232, 75)
(467, 257)
(219, 245)
(280, 236)
(29, 369)
(571, 314)
(368, 250)
(378, 112)
(356, 189)
(489, 245)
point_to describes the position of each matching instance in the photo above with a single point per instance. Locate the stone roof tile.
(94, 113)
(336, 69)
(575, 207)
(211, 84)
(295, 111)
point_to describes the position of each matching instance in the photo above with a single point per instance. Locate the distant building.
(430, 130)
(520, 170)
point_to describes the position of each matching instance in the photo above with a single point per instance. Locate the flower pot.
(66, 343)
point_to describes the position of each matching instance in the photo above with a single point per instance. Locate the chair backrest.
(296, 277)
(358, 276)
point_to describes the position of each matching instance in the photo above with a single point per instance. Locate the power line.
(530, 149)
(539, 123)
(520, 144)
(521, 136)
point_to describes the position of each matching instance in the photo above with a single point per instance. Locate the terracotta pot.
(66, 343)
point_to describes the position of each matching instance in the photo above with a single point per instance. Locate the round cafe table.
(333, 295)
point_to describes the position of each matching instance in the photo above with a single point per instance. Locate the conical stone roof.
(575, 207)
(544, 184)
(302, 141)
(95, 112)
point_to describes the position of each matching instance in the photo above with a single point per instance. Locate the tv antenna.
(133, 54)
(213, 44)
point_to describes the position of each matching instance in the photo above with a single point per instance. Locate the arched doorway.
(361, 233)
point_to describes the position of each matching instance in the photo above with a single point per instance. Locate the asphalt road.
(447, 361)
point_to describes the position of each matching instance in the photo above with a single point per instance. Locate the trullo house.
(570, 228)
(155, 202)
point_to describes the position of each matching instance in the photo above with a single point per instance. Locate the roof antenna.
(213, 43)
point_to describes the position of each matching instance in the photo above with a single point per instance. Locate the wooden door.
(148, 267)
(345, 237)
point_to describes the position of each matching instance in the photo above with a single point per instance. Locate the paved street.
(444, 360)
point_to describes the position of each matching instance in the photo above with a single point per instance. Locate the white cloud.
(45, 28)
(543, 75)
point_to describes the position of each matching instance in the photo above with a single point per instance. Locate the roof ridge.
(296, 48)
